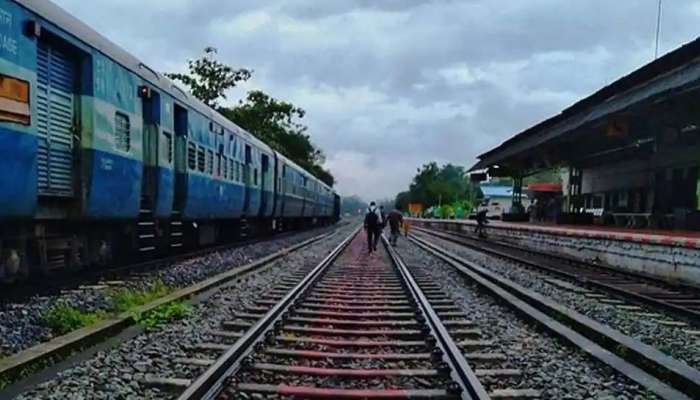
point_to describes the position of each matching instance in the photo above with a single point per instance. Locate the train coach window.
(168, 147)
(191, 156)
(122, 132)
(210, 162)
(223, 167)
(200, 159)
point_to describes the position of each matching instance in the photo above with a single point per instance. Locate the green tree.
(552, 175)
(402, 200)
(209, 79)
(435, 185)
(273, 121)
(277, 123)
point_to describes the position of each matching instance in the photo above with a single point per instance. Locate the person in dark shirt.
(395, 220)
(373, 226)
(481, 222)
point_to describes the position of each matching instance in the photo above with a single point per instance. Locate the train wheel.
(12, 266)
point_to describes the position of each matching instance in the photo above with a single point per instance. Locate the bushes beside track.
(64, 318)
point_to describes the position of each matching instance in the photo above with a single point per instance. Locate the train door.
(277, 187)
(150, 104)
(57, 82)
(176, 228)
(246, 179)
(305, 201)
(147, 229)
(264, 183)
(284, 187)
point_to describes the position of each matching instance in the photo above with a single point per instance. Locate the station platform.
(689, 239)
(673, 256)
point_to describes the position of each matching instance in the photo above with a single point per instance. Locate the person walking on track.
(373, 226)
(382, 215)
(395, 220)
(481, 222)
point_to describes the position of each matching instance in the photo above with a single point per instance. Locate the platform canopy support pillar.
(517, 200)
(574, 198)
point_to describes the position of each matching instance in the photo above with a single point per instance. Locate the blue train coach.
(103, 159)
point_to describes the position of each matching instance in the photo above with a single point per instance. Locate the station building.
(631, 149)
(630, 156)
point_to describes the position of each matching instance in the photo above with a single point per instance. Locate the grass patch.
(127, 299)
(162, 315)
(64, 318)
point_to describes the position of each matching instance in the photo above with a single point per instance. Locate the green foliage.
(402, 200)
(277, 123)
(128, 299)
(268, 118)
(439, 186)
(208, 79)
(273, 121)
(163, 314)
(547, 176)
(64, 318)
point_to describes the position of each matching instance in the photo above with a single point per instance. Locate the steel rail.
(461, 372)
(659, 373)
(571, 260)
(212, 382)
(73, 344)
(465, 240)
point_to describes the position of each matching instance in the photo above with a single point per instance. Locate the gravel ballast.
(643, 324)
(557, 370)
(121, 372)
(22, 324)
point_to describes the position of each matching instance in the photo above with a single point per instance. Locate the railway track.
(356, 326)
(660, 374)
(681, 300)
(25, 363)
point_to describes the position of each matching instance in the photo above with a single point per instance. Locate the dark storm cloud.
(389, 85)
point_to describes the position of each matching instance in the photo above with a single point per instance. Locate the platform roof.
(675, 73)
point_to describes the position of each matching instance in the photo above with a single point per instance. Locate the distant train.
(103, 159)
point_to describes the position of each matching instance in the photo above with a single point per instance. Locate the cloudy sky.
(391, 84)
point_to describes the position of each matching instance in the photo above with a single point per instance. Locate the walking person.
(395, 219)
(481, 222)
(382, 215)
(373, 223)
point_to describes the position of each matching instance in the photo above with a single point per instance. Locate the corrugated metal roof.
(684, 56)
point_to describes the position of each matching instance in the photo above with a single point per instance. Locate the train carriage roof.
(296, 166)
(81, 31)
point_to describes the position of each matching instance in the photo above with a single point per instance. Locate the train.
(105, 160)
